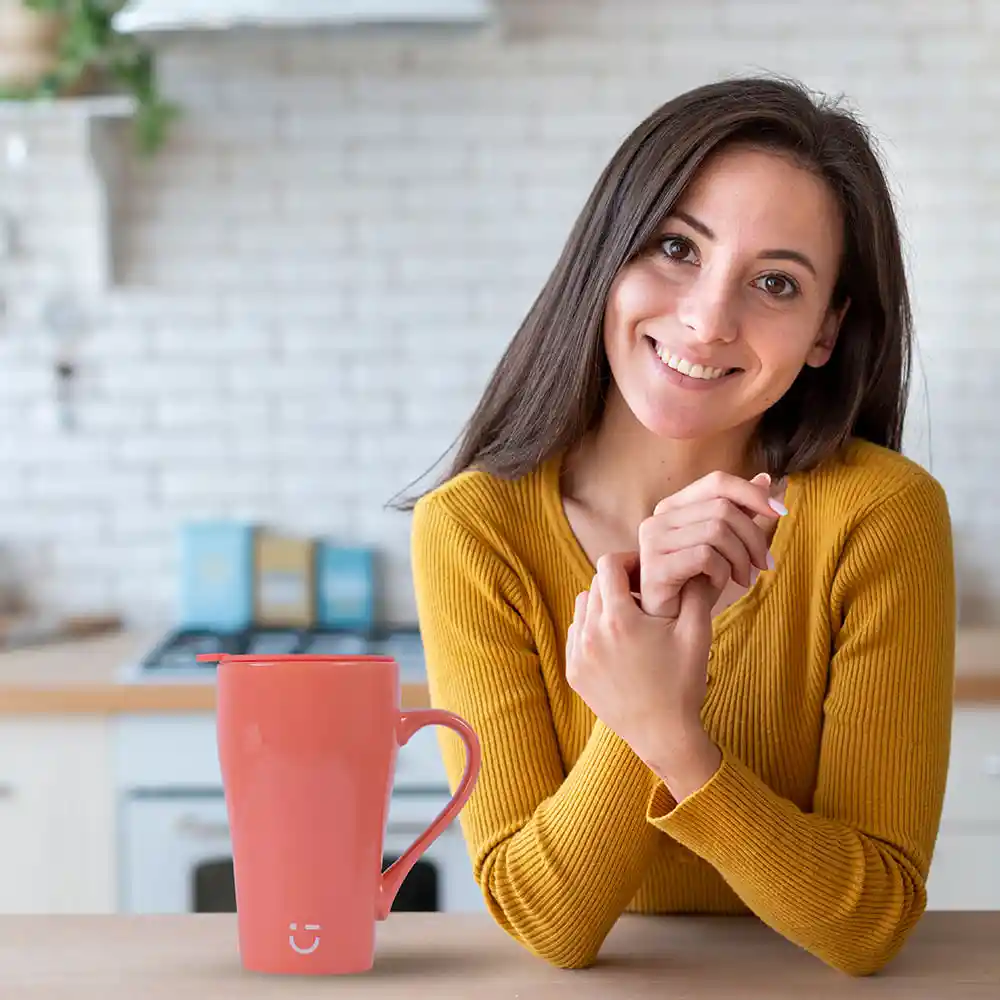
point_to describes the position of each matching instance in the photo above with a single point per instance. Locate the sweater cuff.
(707, 820)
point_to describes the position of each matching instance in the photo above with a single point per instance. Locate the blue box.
(216, 575)
(345, 587)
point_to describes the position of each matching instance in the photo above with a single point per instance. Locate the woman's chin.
(682, 434)
(675, 428)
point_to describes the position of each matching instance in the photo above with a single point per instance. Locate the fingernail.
(777, 506)
(770, 560)
(761, 479)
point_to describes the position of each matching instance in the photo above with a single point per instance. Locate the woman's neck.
(621, 471)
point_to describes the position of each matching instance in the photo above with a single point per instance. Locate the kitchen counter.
(439, 956)
(88, 676)
(85, 676)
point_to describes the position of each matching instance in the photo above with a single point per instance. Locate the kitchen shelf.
(93, 119)
(98, 106)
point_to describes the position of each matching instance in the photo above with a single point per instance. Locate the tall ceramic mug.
(307, 748)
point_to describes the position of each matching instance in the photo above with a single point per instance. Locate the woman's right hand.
(643, 676)
(706, 529)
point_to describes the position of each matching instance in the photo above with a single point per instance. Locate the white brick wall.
(322, 267)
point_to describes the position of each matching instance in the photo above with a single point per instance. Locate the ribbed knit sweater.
(829, 694)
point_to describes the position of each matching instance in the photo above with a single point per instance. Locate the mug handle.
(409, 723)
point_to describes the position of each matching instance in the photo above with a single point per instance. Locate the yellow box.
(284, 581)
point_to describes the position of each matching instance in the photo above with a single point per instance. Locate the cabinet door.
(23, 875)
(56, 816)
(973, 794)
(965, 872)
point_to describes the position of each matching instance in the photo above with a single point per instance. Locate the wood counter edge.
(126, 699)
(134, 699)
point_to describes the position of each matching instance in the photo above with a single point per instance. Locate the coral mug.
(307, 749)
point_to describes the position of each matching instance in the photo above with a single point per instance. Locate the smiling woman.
(679, 578)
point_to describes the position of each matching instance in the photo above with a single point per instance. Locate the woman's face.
(710, 327)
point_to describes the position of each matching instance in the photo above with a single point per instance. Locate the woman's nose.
(706, 309)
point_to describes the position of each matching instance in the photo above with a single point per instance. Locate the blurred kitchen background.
(229, 337)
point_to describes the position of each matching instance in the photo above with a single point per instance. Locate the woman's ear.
(822, 347)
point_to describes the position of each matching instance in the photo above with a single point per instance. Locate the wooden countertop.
(443, 956)
(86, 676)
(90, 676)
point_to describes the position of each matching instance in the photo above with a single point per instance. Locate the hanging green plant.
(91, 52)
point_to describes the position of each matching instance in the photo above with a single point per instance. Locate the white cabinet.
(965, 872)
(57, 824)
(60, 777)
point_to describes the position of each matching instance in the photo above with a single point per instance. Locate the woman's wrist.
(687, 763)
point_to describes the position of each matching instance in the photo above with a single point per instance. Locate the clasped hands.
(637, 649)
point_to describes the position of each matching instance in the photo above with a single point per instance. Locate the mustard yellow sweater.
(829, 694)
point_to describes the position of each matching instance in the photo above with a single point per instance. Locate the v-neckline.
(551, 471)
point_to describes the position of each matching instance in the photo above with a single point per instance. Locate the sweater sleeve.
(846, 881)
(558, 856)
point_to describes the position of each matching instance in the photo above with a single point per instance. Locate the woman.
(679, 578)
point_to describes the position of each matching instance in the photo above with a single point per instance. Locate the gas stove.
(175, 656)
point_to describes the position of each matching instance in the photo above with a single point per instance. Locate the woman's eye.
(777, 285)
(677, 248)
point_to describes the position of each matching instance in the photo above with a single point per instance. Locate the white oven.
(175, 850)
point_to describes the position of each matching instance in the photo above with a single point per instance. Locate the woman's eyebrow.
(780, 254)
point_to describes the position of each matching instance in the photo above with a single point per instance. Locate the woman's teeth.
(685, 367)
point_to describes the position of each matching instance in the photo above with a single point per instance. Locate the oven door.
(177, 855)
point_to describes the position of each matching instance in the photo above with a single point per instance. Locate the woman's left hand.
(645, 677)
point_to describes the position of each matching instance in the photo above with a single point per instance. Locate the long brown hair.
(548, 388)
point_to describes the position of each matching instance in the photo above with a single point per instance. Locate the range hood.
(205, 15)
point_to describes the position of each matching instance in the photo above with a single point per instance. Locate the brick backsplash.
(322, 266)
